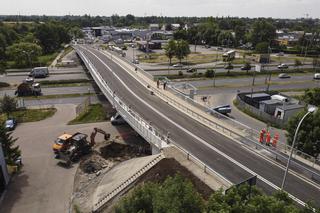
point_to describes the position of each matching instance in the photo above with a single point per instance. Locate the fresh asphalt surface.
(295, 186)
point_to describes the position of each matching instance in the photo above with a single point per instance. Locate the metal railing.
(247, 136)
(144, 128)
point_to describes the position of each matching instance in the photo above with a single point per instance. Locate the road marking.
(195, 136)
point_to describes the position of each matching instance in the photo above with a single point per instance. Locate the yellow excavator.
(69, 148)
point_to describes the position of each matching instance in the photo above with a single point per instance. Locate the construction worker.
(268, 138)
(158, 83)
(261, 137)
(275, 140)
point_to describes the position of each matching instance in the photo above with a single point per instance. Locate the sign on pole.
(258, 68)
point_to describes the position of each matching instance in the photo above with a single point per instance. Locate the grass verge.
(4, 84)
(30, 115)
(66, 83)
(94, 113)
(57, 96)
(249, 113)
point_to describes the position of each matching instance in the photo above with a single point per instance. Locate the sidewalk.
(196, 113)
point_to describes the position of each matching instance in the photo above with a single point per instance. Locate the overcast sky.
(241, 8)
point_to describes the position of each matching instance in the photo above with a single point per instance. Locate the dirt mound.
(121, 152)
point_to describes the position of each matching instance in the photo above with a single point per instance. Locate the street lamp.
(310, 110)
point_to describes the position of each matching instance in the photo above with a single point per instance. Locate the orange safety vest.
(275, 140)
(268, 138)
(261, 135)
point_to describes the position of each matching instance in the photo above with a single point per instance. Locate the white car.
(178, 65)
(283, 66)
(316, 76)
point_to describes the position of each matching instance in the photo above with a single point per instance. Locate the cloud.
(243, 8)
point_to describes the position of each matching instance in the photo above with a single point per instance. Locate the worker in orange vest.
(275, 140)
(268, 138)
(261, 137)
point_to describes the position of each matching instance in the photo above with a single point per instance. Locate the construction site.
(109, 168)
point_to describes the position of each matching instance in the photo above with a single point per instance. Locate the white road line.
(195, 136)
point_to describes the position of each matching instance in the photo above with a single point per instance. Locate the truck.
(28, 89)
(230, 55)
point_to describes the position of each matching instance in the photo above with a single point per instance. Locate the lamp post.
(310, 110)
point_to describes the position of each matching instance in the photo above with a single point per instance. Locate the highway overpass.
(230, 159)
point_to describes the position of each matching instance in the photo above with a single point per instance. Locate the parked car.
(284, 75)
(135, 61)
(280, 54)
(117, 119)
(178, 65)
(191, 70)
(219, 48)
(207, 46)
(316, 76)
(223, 109)
(283, 66)
(11, 124)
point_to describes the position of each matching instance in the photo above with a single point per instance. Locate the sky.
(240, 8)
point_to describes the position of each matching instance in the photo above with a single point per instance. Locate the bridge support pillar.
(155, 150)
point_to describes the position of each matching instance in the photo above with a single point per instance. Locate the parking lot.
(43, 185)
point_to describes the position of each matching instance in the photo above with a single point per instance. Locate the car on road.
(29, 80)
(207, 46)
(316, 76)
(135, 61)
(219, 48)
(223, 109)
(283, 66)
(117, 119)
(280, 54)
(192, 70)
(284, 75)
(246, 67)
(178, 65)
(39, 72)
(11, 124)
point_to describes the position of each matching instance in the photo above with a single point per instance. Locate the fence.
(238, 131)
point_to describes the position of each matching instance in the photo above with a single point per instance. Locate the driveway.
(42, 185)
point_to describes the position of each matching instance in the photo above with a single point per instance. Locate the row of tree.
(308, 138)
(177, 195)
(24, 43)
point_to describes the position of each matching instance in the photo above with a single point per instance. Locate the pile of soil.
(93, 164)
(122, 152)
(170, 167)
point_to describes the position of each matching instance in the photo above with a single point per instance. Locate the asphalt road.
(56, 90)
(18, 79)
(191, 135)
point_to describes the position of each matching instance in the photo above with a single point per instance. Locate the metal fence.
(238, 131)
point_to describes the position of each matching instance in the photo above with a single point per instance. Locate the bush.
(209, 73)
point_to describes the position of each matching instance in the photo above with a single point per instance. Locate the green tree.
(209, 73)
(312, 96)
(262, 31)
(11, 152)
(170, 50)
(24, 53)
(175, 195)
(8, 104)
(308, 137)
(182, 49)
(262, 47)
(75, 32)
(3, 46)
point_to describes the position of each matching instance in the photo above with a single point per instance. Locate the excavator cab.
(62, 143)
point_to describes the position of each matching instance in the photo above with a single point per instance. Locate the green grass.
(66, 83)
(249, 113)
(193, 58)
(95, 113)
(46, 60)
(30, 115)
(56, 96)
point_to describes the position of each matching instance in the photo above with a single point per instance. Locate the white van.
(316, 76)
